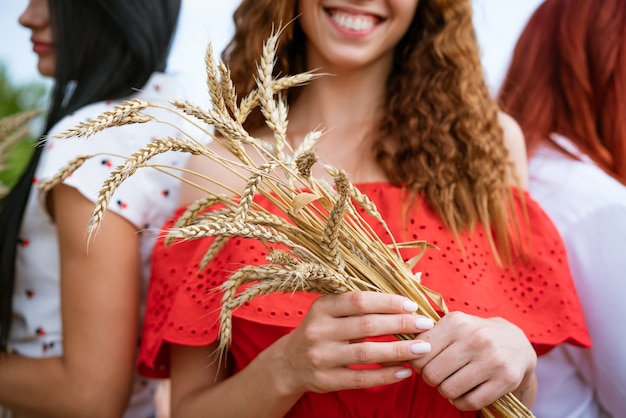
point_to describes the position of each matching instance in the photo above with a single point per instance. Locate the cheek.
(406, 10)
(305, 17)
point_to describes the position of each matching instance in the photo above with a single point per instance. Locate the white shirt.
(589, 209)
(146, 199)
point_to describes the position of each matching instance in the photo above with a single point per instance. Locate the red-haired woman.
(408, 116)
(566, 86)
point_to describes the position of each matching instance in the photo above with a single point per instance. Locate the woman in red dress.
(407, 115)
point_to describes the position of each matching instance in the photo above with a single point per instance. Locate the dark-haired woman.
(566, 85)
(407, 115)
(70, 310)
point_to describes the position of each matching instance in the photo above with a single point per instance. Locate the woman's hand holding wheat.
(316, 356)
(474, 361)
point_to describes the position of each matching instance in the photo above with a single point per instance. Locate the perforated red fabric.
(537, 295)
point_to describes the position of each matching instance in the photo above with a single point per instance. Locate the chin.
(46, 68)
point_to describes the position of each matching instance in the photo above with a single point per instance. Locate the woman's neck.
(337, 102)
(347, 109)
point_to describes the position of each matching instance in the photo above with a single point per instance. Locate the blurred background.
(498, 24)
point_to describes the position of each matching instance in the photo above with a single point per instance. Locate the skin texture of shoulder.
(199, 167)
(514, 142)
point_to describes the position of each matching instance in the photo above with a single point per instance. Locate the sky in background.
(498, 23)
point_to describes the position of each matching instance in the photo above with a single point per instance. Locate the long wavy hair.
(440, 134)
(104, 49)
(568, 76)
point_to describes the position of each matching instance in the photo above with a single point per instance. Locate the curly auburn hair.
(440, 135)
(568, 76)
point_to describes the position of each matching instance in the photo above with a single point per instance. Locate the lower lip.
(42, 48)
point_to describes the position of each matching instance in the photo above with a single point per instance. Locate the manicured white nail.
(409, 306)
(420, 348)
(424, 323)
(404, 373)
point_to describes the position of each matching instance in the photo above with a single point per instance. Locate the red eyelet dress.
(538, 296)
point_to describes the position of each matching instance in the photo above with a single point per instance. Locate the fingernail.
(409, 306)
(420, 348)
(404, 373)
(424, 323)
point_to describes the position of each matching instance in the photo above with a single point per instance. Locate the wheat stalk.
(126, 113)
(13, 123)
(13, 129)
(325, 245)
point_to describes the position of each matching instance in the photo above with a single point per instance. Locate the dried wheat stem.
(232, 229)
(213, 81)
(274, 113)
(265, 75)
(128, 112)
(218, 243)
(305, 162)
(232, 132)
(194, 110)
(268, 219)
(228, 90)
(251, 101)
(307, 144)
(10, 140)
(131, 165)
(247, 274)
(279, 126)
(252, 186)
(193, 210)
(253, 216)
(282, 257)
(264, 287)
(330, 239)
(61, 175)
(10, 124)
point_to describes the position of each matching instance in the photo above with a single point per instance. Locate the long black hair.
(104, 49)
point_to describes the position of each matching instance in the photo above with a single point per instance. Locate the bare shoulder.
(514, 142)
(204, 174)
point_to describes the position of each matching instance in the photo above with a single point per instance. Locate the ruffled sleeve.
(183, 304)
(536, 292)
(170, 269)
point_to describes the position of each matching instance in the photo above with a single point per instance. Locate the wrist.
(279, 376)
(527, 389)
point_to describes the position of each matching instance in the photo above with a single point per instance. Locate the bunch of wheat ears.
(325, 245)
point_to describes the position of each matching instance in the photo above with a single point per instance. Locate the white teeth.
(353, 23)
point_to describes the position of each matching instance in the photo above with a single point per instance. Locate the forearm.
(257, 390)
(40, 387)
(601, 287)
(235, 397)
(23, 386)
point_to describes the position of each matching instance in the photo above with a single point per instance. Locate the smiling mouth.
(353, 22)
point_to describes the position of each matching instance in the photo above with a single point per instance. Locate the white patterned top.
(146, 200)
(589, 209)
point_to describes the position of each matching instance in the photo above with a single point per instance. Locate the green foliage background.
(14, 99)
